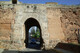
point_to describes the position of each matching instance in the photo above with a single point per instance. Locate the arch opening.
(30, 24)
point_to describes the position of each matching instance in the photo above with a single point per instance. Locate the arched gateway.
(26, 18)
(28, 24)
(23, 27)
(23, 24)
(16, 18)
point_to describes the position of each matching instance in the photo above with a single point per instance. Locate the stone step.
(29, 49)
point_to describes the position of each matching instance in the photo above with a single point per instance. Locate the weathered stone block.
(5, 27)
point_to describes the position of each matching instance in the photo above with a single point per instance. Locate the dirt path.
(27, 51)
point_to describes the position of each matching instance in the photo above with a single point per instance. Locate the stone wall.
(9, 2)
(6, 19)
(54, 23)
(58, 24)
(64, 27)
(54, 26)
(71, 23)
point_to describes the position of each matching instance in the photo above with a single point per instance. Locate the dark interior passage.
(14, 1)
(31, 22)
(34, 37)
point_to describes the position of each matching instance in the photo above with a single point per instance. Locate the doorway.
(33, 36)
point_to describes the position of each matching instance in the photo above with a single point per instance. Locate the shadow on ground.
(69, 47)
(66, 46)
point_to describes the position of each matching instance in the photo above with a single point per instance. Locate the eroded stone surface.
(58, 24)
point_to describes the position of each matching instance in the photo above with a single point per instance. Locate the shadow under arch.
(30, 22)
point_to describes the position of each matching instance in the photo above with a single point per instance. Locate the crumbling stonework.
(71, 23)
(58, 23)
(6, 20)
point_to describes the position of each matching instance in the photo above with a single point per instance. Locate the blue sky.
(66, 2)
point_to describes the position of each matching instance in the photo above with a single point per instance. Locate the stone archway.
(19, 26)
(19, 32)
(28, 24)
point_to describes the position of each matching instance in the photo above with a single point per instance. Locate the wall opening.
(32, 24)
(14, 1)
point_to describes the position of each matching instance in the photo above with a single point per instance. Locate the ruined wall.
(14, 19)
(54, 26)
(58, 24)
(54, 23)
(70, 24)
(6, 19)
(9, 2)
(63, 24)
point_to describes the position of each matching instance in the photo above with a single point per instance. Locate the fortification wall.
(63, 24)
(54, 26)
(58, 23)
(6, 20)
(70, 22)
(9, 2)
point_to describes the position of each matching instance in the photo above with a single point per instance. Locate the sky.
(31, 28)
(64, 2)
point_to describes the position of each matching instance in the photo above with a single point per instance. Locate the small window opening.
(32, 6)
(35, 7)
(27, 6)
(14, 1)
